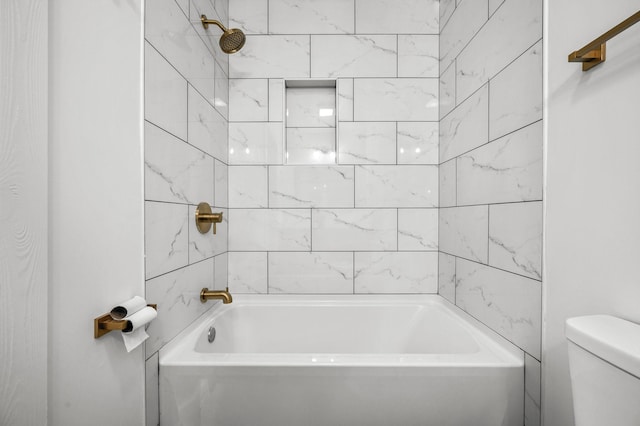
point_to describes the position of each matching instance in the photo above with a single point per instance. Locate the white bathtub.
(340, 360)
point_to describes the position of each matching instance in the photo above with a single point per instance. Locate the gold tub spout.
(223, 295)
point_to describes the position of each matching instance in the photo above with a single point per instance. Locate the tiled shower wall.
(491, 171)
(186, 124)
(368, 222)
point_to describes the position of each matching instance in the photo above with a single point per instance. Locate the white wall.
(96, 208)
(592, 225)
(23, 210)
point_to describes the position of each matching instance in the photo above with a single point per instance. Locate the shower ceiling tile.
(396, 272)
(317, 273)
(354, 56)
(397, 186)
(508, 303)
(207, 128)
(166, 237)
(418, 143)
(311, 186)
(311, 17)
(355, 229)
(418, 56)
(367, 143)
(464, 232)
(417, 229)
(396, 99)
(175, 171)
(248, 272)
(397, 17)
(255, 143)
(270, 230)
(249, 100)
(248, 186)
(272, 56)
(506, 170)
(248, 15)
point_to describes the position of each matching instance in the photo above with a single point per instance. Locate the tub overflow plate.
(211, 335)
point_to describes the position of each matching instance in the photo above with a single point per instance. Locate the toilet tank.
(604, 360)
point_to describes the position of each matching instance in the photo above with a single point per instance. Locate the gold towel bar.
(594, 53)
(104, 324)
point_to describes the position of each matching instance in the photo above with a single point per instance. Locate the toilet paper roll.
(127, 308)
(134, 334)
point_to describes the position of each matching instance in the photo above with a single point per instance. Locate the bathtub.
(340, 360)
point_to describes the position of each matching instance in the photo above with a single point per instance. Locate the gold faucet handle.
(204, 218)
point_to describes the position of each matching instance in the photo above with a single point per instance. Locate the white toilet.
(604, 359)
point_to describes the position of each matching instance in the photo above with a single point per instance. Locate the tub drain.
(211, 335)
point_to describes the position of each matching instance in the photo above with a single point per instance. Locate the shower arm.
(206, 22)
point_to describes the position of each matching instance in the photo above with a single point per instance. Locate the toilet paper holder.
(105, 324)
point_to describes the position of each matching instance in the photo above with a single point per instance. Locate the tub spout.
(223, 295)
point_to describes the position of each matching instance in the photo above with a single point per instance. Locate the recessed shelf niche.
(310, 121)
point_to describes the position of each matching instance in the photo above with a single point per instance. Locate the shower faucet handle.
(204, 218)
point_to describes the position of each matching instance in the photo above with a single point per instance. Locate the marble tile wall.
(490, 181)
(364, 219)
(186, 162)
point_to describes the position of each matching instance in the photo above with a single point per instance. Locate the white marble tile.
(367, 143)
(151, 388)
(248, 186)
(447, 7)
(355, 229)
(418, 56)
(184, 5)
(466, 127)
(270, 230)
(447, 90)
(165, 94)
(174, 171)
(447, 277)
(310, 107)
(248, 100)
(272, 56)
(463, 25)
(532, 391)
(221, 100)
(276, 99)
(311, 16)
(204, 246)
(418, 143)
(311, 186)
(256, 143)
(221, 273)
(248, 272)
(396, 272)
(512, 104)
(390, 99)
(494, 5)
(316, 273)
(354, 56)
(397, 17)
(515, 238)
(165, 237)
(207, 128)
(249, 15)
(508, 303)
(506, 170)
(396, 186)
(447, 172)
(310, 145)
(345, 99)
(178, 297)
(417, 229)
(170, 32)
(464, 232)
(221, 184)
(204, 7)
(511, 31)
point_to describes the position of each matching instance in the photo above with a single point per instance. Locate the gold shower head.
(232, 39)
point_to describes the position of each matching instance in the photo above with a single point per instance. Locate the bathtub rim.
(495, 351)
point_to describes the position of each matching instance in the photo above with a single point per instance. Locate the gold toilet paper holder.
(105, 324)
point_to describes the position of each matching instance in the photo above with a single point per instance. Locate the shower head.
(231, 40)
